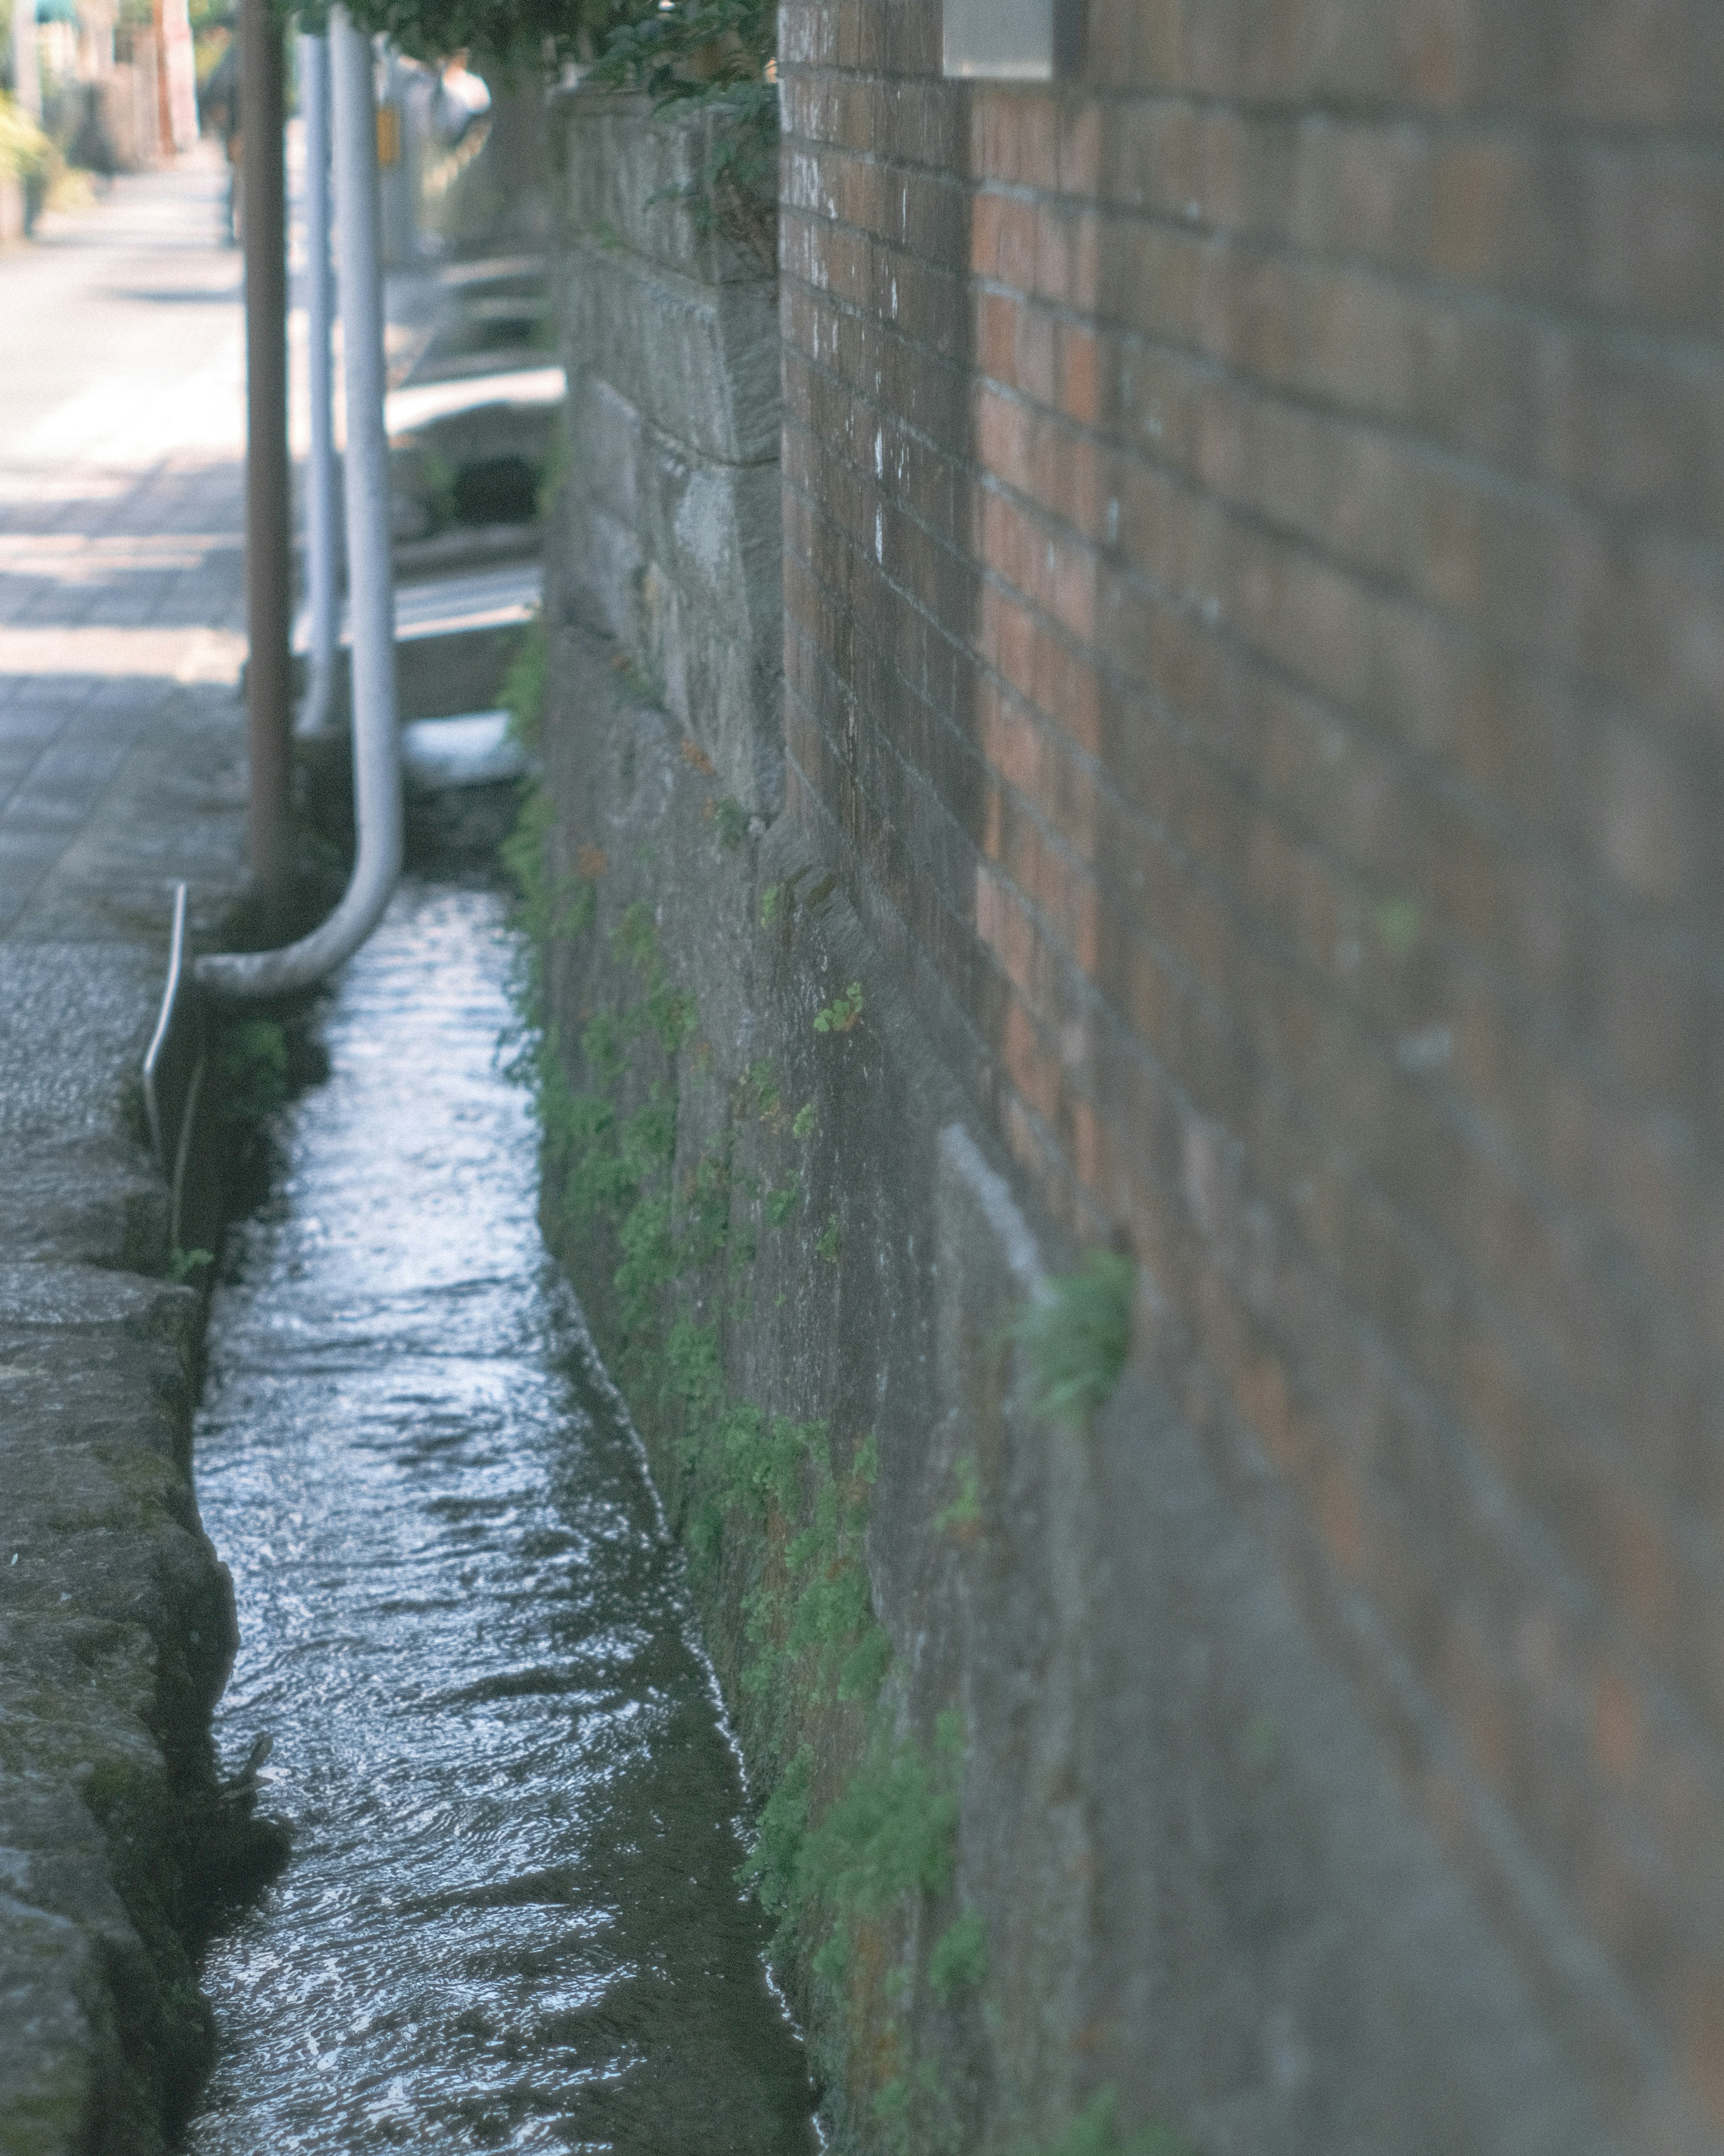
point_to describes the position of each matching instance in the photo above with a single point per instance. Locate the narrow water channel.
(509, 1919)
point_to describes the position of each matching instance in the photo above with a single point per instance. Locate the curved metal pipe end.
(312, 721)
(253, 976)
(237, 976)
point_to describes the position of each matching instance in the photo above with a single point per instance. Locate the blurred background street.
(121, 610)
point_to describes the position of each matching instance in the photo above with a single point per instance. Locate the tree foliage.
(693, 53)
(695, 48)
(24, 150)
(712, 53)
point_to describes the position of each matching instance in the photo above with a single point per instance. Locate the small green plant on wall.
(843, 1014)
(1095, 2132)
(1077, 1339)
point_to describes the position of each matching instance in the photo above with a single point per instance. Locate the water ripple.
(510, 1918)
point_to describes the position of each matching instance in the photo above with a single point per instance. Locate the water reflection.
(509, 1920)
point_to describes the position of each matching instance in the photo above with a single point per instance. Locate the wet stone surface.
(510, 1918)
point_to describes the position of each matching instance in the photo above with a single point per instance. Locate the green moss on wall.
(856, 1832)
(855, 1844)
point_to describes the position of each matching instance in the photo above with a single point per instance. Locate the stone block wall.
(670, 342)
(1255, 623)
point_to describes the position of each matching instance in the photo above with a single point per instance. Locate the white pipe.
(377, 754)
(313, 714)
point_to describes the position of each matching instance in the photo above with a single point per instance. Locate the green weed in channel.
(556, 468)
(522, 695)
(890, 1833)
(438, 474)
(760, 1092)
(1399, 925)
(251, 1068)
(965, 1510)
(664, 1009)
(549, 908)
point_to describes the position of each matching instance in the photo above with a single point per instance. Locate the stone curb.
(116, 1619)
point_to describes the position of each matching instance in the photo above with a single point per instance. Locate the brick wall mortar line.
(1481, 1135)
(1492, 480)
(1443, 120)
(1682, 734)
(1570, 1963)
(1705, 351)
(1693, 951)
(1436, 1258)
(1689, 948)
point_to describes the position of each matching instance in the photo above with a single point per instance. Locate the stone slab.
(679, 554)
(635, 180)
(701, 361)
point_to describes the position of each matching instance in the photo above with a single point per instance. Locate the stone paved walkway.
(121, 610)
(121, 771)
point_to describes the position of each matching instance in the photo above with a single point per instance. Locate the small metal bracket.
(156, 1054)
(173, 1066)
(1013, 40)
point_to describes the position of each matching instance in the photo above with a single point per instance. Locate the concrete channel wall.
(116, 1630)
(1165, 1863)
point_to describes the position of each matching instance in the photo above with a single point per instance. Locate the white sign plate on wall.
(1004, 40)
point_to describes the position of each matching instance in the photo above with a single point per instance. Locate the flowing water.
(509, 1919)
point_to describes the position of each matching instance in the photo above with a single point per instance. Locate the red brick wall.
(1255, 623)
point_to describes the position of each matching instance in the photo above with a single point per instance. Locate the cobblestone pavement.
(122, 603)
(121, 771)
